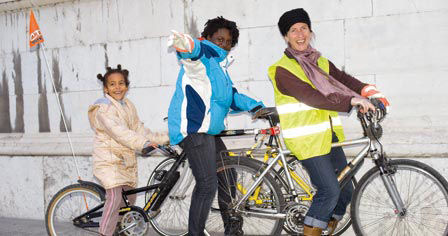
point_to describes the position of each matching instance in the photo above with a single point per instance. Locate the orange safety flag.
(35, 34)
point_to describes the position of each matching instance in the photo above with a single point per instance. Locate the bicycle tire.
(68, 203)
(421, 188)
(273, 202)
(172, 220)
(344, 223)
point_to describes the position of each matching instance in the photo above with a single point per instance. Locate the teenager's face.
(222, 38)
(299, 36)
(116, 86)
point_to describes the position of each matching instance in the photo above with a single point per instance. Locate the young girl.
(118, 134)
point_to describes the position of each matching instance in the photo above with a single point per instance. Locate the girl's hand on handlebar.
(148, 147)
(363, 104)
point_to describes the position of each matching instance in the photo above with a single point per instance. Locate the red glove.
(370, 91)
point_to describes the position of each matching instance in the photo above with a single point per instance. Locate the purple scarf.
(323, 82)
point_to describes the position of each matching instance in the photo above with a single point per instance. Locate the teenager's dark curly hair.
(110, 71)
(213, 25)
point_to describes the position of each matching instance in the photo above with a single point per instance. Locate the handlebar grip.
(147, 150)
(255, 109)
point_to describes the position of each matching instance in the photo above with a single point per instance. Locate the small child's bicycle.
(77, 209)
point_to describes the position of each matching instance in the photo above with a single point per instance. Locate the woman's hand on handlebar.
(363, 104)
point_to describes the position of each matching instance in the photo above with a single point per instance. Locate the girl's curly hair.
(213, 25)
(110, 71)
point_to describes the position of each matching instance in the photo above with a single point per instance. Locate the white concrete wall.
(398, 45)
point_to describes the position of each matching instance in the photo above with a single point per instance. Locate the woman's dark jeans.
(329, 201)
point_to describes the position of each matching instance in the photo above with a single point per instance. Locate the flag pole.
(36, 38)
(60, 110)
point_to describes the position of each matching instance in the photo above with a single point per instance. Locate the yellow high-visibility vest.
(307, 131)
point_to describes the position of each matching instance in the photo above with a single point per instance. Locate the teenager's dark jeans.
(329, 201)
(202, 152)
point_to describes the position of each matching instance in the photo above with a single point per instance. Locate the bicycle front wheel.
(68, 203)
(172, 220)
(424, 193)
(235, 176)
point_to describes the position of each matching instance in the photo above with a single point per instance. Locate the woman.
(118, 134)
(309, 91)
(203, 97)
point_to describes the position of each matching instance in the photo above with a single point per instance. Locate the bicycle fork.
(391, 187)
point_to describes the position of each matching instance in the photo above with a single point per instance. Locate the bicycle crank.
(295, 216)
(132, 224)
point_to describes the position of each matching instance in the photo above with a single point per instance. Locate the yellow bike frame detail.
(255, 196)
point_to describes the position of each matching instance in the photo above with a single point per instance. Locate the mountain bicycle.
(395, 197)
(300, 178)
(180, 196)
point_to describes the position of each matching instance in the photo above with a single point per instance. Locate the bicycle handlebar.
(378, 115)
(370, 121)
(147, 150)
(166, 150)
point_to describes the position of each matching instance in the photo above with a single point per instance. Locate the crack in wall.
(18, 87)
(106, 58)
(5, 120)
(58, 85)
(191, 26)
(44, 120)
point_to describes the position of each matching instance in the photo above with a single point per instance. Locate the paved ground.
(22, 227)
(15, 227)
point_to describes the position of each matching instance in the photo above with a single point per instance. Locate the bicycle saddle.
(268, 113)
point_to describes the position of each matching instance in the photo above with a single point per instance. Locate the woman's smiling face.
(299, 36)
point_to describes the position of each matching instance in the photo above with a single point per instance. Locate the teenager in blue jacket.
(204, 96)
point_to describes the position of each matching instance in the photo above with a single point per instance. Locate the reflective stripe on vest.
(306, 130)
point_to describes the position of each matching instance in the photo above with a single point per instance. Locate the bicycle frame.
(344, 176)
(281, 158)
(268, 155)
(163, 188)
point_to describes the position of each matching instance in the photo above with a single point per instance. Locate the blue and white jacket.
(204, 93)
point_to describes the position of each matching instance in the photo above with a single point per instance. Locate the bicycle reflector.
(271, 131)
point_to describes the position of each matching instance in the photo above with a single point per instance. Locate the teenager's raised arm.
(185, 45)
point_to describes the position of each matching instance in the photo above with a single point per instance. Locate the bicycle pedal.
(153, 214)
(127, 228)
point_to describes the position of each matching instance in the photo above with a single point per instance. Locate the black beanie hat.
(291, 17)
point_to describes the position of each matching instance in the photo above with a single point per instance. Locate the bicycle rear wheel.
(172, 220)
(424, 193)
(69, 203)
(237, 175)
(295, 165)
